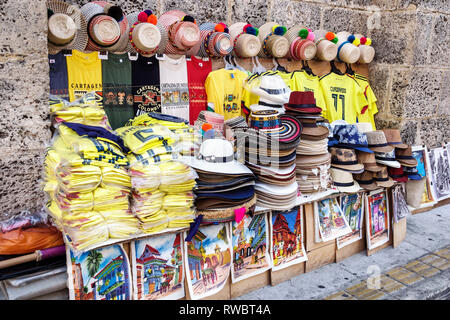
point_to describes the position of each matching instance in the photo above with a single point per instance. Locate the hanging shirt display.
(84, 73)
(302, 81)
(224, 90)
(145, 85)
(368, 115)
(197, 70)
(117, 96)
(344, 98)
(58, 75)
(174, 87)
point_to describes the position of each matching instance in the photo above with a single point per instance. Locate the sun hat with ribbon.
(397, 174)
(347, 50)
(343, 181)
(368, 160)
(107, 27)
(387, 158)
(367, 52)
(382, 178)
(272, 91)
(345, 159)
(377, 141)
(182, 30)
(366, 180)
(245, 40)
(326, 45)
(394, 139)
(67, 27)
(348, 136)
(405, 157)
(301, 43)
(273, 44)
(215, 41)
(146, 35)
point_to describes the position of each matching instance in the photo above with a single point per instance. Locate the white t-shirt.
(174, 87)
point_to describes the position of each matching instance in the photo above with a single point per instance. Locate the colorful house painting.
(352, 206)
(331, 221)
(377, 219)
(111, 281)
(158, 267)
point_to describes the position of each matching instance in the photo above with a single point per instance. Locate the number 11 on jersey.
(337, 97)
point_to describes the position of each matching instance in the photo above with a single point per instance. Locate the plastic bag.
(23, 241)
(24, 219)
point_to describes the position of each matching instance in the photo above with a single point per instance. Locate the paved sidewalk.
(419, 268)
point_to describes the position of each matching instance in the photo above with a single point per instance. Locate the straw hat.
(273, 89)
(382, 178)
(326, 45)
(146, 35)
(273, 44)
(215, 41)
(404, 156)
(343, 180)
(301, 43)
(347, 51)
(365, 180)
(245, 40)
(345, 159)
(66, 27)
(368, 160)
(377, 141)
(365, 48)
(387, 158)
(364, 127)
(182, 31)
(394, 139)
(107, 27)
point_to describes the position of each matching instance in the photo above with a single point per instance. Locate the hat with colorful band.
(301, 43)
(215, 41)
(289, 131)
(272, 40)
(347, 51)
(367, 52)
(245, 40)
(265, 120)
(326, 45)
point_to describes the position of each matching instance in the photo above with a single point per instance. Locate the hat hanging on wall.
(365, 48)
(273, 44)
(66, 27)
(245, 40)
(215, 41)
(182, 31)
(146, 35)
(107, 27)
(347, 50)
(301, 43)
(326, 45)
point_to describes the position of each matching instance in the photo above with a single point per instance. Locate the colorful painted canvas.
(440, 173)
(287, 246)
(330, 220)
(377, 219)
(250, 247)
(400, 209)
(352, 206)
(208, 260)
(157, 264)
(99, 274)
(423, 167)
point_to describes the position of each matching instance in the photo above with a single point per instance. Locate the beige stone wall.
(410, 74)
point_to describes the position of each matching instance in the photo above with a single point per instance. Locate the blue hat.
(238, 194)
(412, 173)
(348, 136)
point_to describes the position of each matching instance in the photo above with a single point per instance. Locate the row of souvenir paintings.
(271, 240)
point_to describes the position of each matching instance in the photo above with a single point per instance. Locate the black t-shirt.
(146, 85)
(58, 75)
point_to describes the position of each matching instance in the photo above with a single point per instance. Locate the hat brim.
(232, 168)
(392, 164)
(399, 146)
(384, 149)
(370, 186)
(275, 98)
(363, 149)
(372, 168)
(401, 179)
(408, 163)
(303, 110)
(385, 184)
(354, 168)
(353, 189)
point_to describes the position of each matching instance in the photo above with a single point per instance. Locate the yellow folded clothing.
(121, 223)
(177, 188)
(142, 138)
(79, 179)
(146, 120)
(176, 172)
(145, 176)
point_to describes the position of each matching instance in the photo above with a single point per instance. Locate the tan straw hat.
(377, 141)
(273, 44)
(343, 181)
(345, 159)
(146, 35)
(394, 139)
(382, 178)
(347, 51)
(301, 43)
(215, 41)
(326, 45)
(245, 40)
(367, 51)
(368, 160)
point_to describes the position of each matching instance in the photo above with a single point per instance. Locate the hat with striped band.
(215, 41)
(326, 45)
(273, 44)
(301, 43)
(347, 51)
(245, 40)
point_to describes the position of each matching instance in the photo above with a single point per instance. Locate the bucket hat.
(301, 43)
(343, 181)
(397, 174)
(348, 136)
(368, 160)
(382, 178)
(273, 44)
(377, 141)
(326, 45)
(367, 52)
(272, 90)
(345, 159)
(365, 180)
(404, 156)
(347, 51)
(394, 139)
(387, 158)
(245, 40)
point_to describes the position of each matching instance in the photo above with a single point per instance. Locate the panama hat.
(382, 178)
(367, 52)
(394, 139)
(273, 89)
(326, 45)
(245, 40)
(146, 35)
(345, 159)
(387, 158)
(182, 30)
(343, 181)
(301, 43)
(404, 156)
(377, 141)
(365, 180)
(347, 51)
(66, 27)
(368, 160)
(107, 26)
(273, 44)
(364, 127)
(215, 41)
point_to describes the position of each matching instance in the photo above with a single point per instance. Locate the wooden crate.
(310, 231)
(250, 284)
(398, 232)
(321, 256)
(277, 277)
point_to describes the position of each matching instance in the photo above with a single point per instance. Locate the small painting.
(330, 220)
(440, 173)
(377, 219)
(352, 206)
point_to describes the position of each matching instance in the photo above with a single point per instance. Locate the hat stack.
(182, 30)
(382, 178)
(301, 43)
(384, 153)
(107, 27)
(367, 52)
(326, 45)
(245, 40)
(403, 156)
(273, 44)
(231, 124)
(366, 180)
(273, 94)
(345, 159)
(224, 185)
(347, 50)
(215, 41)
(343, 181)
(214, 119)
(67, 28)
(313, 160)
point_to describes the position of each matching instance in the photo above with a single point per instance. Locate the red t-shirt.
(198, 71)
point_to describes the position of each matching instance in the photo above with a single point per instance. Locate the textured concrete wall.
(410, 74)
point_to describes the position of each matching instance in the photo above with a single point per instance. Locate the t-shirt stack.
(313, 160)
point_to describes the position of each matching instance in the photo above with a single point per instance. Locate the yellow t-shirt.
(224, 90)
(372, 109)
(84, 73)
(301, 81)
(343, 96)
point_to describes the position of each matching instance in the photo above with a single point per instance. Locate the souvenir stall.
(195, 160)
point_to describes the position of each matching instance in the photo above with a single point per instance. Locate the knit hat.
(273, 44)
(377, 141)
(215, 41)
(347, 51)
(301, 43)
(245, 40)
(326, 45)
(367, 52)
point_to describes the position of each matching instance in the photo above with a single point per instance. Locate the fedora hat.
(364, 127)
(107, 26)
(302, 102)
(343, 181)
(347, 51)
(368, 160)
(215, 41)
(367, 52)
(67, 27)
(348, 136)
(326, 45)
(273, 44)
(397, 174)
(301, 43)
(245, 40)
(394, 139)
(412, 173)
(146, 36)
(345, 159)
(382, 178)
(182, 31)
(404, 156)
(365, 180)
(387, 158)
(273, 90)
(377, 141)
(313, 131)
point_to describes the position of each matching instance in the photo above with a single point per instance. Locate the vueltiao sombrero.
(273, 44)
(215, 41)
(326, 45)
(284, 128)
(301, 43)
(347, 51)
(245, 40)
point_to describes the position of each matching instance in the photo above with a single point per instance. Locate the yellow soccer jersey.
(343, 96)
(301, 81)
(372, 109)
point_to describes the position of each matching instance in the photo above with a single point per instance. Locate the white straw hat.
(326, 45)
(245, 40)
(347, 51)
(343, 181)
(272, 88)
(365, 48)
(145, 34)
(364, 127)
(301, 43)
(273, 44)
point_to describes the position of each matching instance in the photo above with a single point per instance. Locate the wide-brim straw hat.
(183, 35)
(212, 43)
(60, 33)
(225, 214)
(377, 141)
(343, 181)
(326, 50)
(246, 45)
(347, 52)
(104, 31)
(367, 52)
(272, 45)
(299, 49)
(272, 88)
